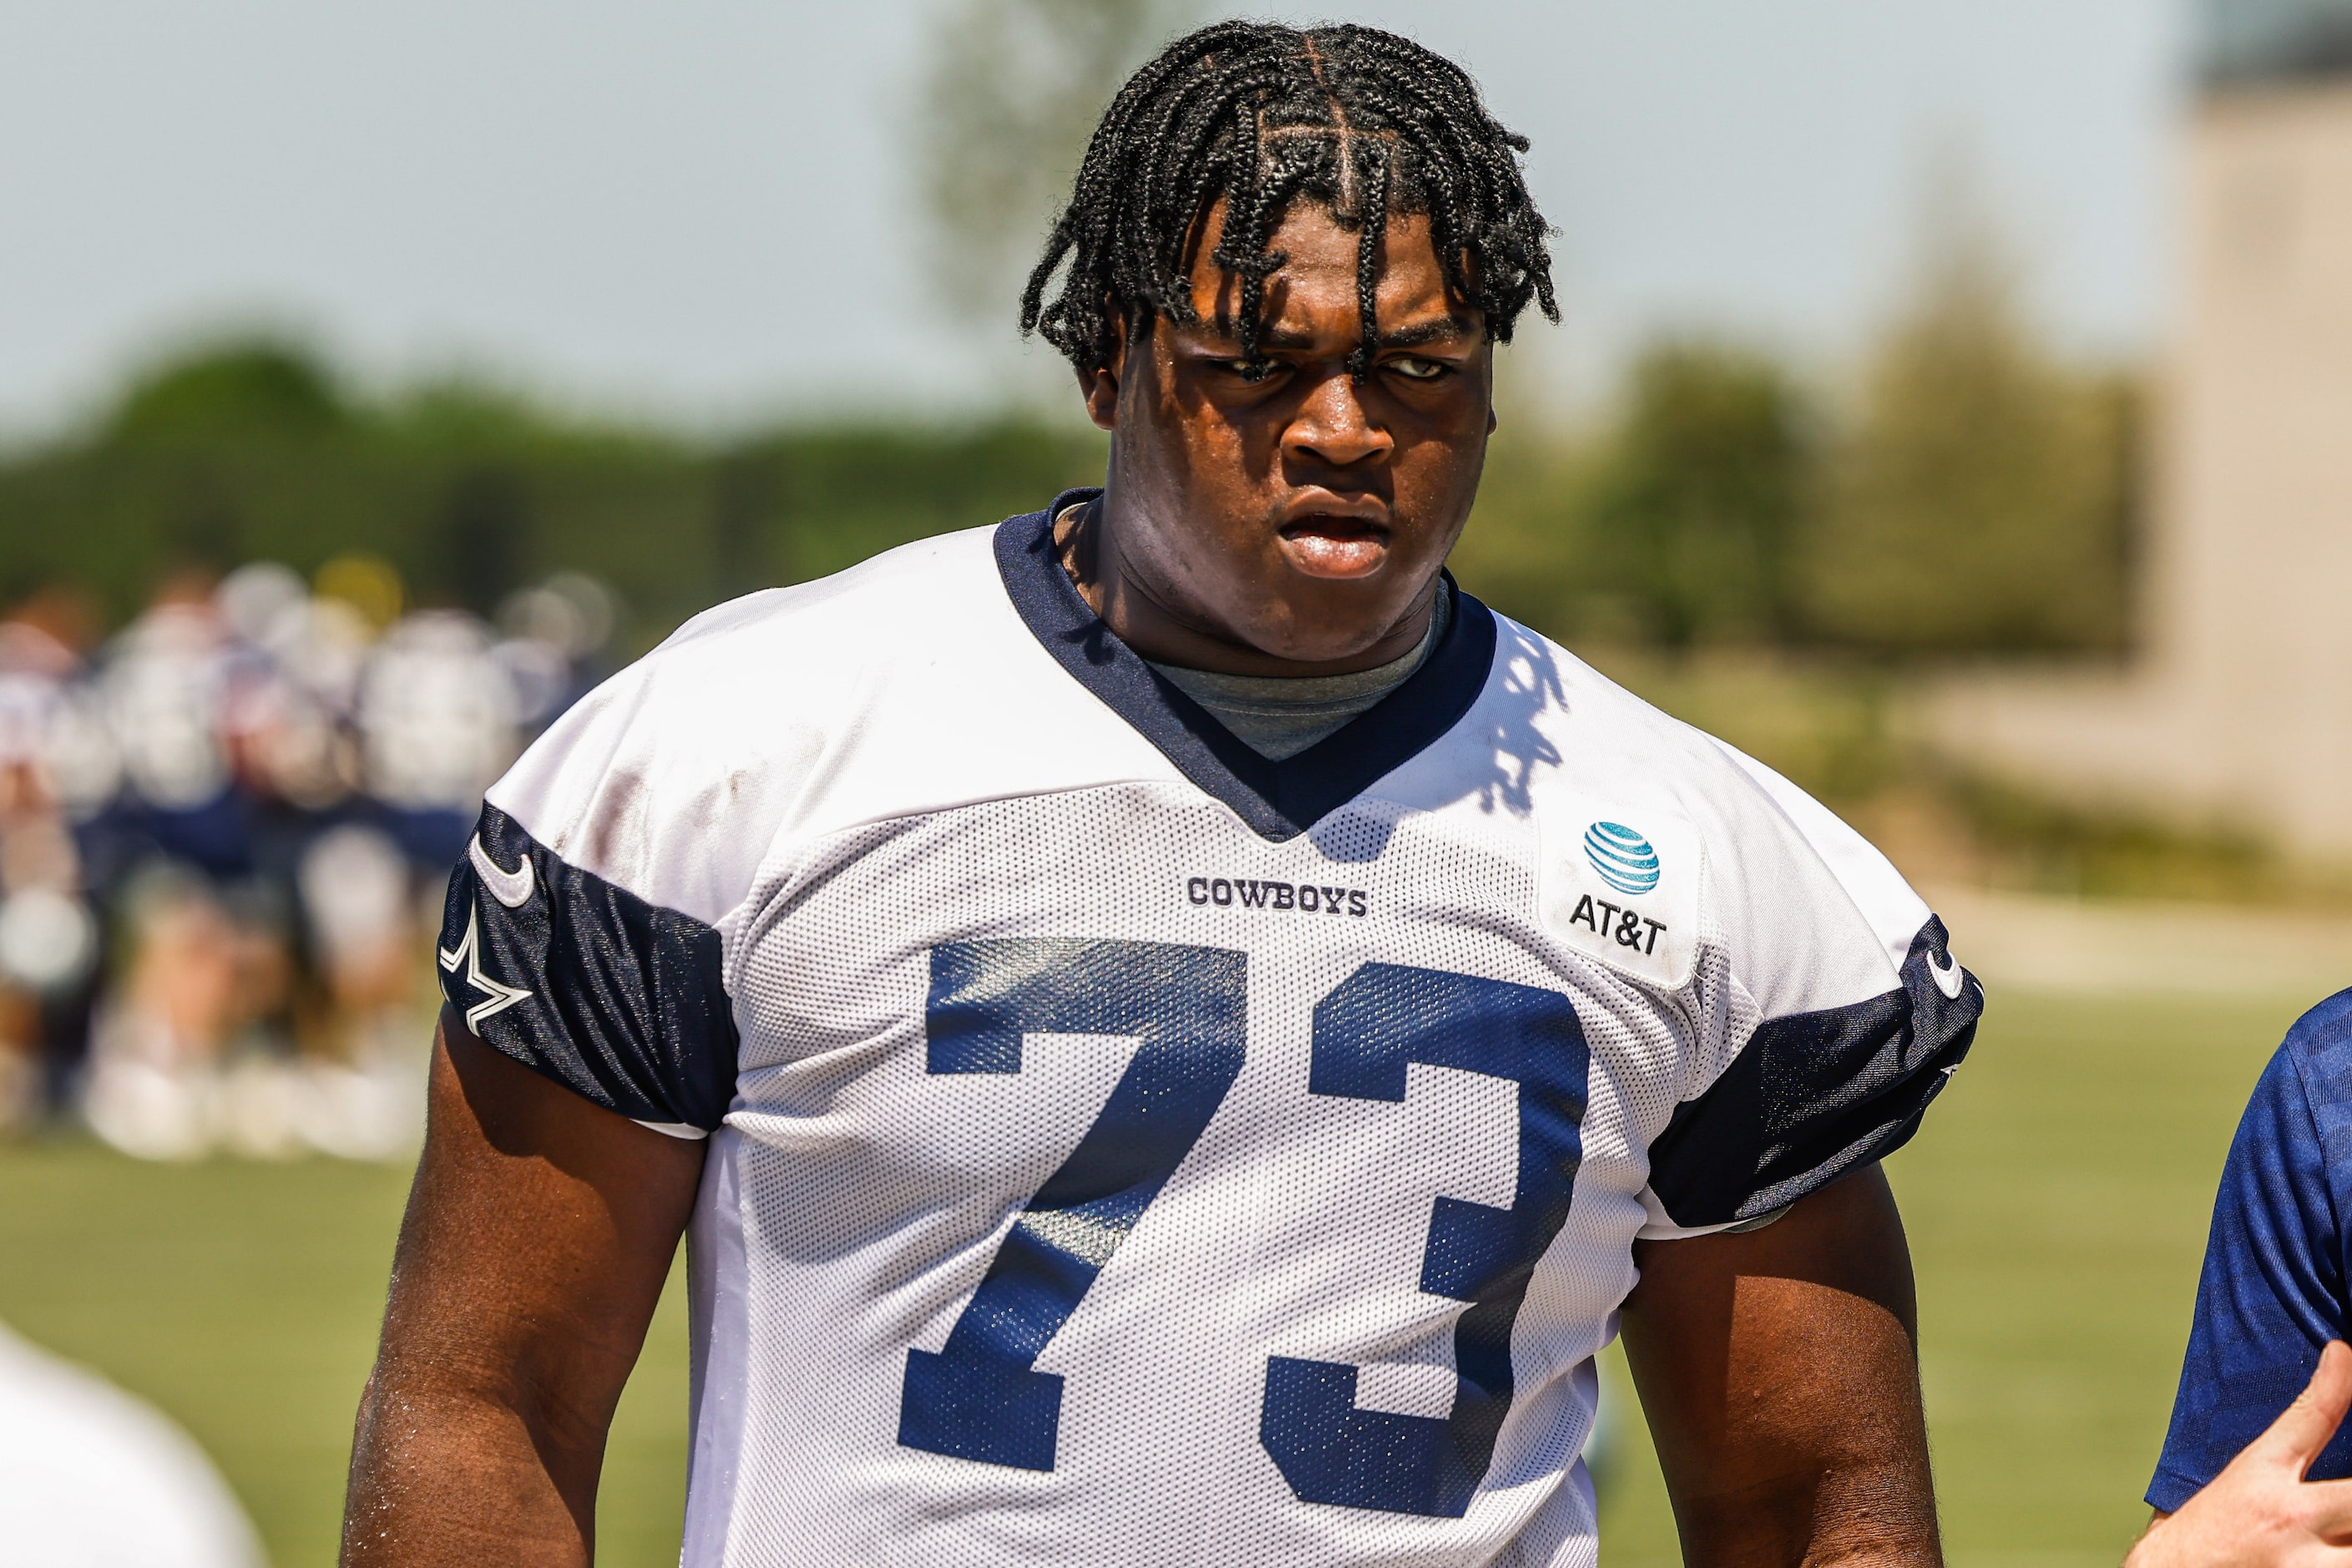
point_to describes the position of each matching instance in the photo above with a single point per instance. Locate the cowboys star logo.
(496, 997)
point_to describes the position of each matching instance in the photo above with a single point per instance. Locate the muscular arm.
(1779, 1373)
(539, 1233)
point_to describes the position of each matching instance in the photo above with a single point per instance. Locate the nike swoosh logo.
(512, 889)
(1950, 976)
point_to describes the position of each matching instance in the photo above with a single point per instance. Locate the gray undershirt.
(1279, 716)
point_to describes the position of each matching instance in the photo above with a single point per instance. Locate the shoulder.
(2321, 1040)
(701, 745)
(2300, 1112)
(2313, 1071)
(922, 594)
(1809, 913)
(1823, 1011)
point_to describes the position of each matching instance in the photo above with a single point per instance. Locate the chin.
(1325, 631)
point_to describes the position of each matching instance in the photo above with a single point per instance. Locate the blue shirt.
(2273, 1292)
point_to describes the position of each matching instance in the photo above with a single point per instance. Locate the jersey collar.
(1277, 800)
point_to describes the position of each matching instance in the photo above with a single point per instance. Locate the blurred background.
(1952, 409)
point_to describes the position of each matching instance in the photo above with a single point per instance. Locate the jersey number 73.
(979, 1397)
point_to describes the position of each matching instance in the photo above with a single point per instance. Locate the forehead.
(1319, 279)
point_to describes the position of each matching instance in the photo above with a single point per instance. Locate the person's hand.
(2260, 1512)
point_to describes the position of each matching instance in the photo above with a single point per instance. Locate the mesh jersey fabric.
(2273, 1292)
(1124, 1148)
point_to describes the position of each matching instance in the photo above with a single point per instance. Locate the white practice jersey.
(1124, 1148)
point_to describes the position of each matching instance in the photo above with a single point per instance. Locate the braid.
(1362, 121)
(1375, 207)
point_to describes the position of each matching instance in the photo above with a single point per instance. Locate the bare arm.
(539, 1233)
(1779, 1373)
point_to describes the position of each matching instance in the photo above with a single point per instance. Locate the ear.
(1099, 386)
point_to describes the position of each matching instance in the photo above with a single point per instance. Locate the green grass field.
(2056, 1200)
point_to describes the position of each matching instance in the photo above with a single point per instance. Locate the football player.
(1174, 1034)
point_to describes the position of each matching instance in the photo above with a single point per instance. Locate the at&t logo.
(1622, 857)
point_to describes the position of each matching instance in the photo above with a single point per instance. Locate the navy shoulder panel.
(617, 999)
(1813, 1095)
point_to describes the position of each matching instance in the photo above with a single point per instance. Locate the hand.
(2260, 1512)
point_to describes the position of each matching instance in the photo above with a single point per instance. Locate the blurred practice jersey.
(1127, 1149)
(2275, 1287)
(436, 713)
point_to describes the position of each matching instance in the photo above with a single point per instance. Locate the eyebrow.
(1437, 330)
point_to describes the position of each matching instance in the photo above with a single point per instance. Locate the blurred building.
(2238, 708)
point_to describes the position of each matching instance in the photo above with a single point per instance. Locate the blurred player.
(48, 938)
(433, 714)
(438, 715)
(556, 634)
(205, 973)
(281, 743)
(1175, 1031)
(356, 941)
(91, 1477)
(2266, 1380)
(362, 1080)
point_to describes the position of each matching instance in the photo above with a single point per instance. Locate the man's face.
(1302, 516)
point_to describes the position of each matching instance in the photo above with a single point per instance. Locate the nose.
(1331, 424)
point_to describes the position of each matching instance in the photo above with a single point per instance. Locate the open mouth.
(1325, 546)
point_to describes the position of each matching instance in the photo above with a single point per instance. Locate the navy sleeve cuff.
(1813, 1097)
(617, 999)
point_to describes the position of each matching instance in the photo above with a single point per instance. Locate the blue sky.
(697, 210)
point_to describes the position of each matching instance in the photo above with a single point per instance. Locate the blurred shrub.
(2045, 845)
(249, 452)
(1524, 551)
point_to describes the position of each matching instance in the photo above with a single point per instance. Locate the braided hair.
(1362, 121)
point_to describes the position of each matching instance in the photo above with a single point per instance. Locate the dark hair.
(1363, 121)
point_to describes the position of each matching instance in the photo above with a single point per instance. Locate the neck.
(1161, 627)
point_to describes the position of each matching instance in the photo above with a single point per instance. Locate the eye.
(1251, 371)
(1412, 367)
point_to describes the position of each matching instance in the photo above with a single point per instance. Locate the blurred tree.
(260, 388)
(1983, 499)
(1674, 527)
(1009, 92)
(1525, 552)
(1698, 502)
(485, 538)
